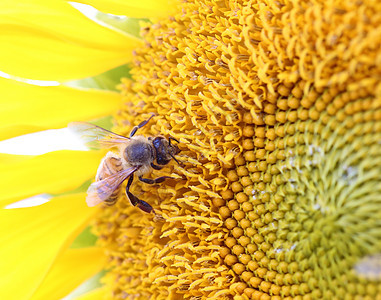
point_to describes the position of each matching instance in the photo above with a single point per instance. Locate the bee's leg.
(155, 167)
(135, 201)
(153, 181)
(140, 126)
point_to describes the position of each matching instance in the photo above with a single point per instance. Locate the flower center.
(277, 107)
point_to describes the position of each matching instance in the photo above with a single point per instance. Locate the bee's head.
(165, 150)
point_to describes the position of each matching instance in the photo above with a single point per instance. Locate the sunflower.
(277, 108)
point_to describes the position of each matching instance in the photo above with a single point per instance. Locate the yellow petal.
(27, 108)
(8, 132)
(71, 269)
(6, 159)
(50, 40)
(52, 173)
(133, 8)
(98, 294)
(31, 238)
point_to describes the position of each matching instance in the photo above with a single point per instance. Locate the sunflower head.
(277, 107)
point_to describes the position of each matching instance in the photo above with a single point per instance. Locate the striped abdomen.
(110, 165)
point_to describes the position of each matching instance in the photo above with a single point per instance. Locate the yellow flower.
(277, 107)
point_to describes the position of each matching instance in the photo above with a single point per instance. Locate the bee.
(134, 155)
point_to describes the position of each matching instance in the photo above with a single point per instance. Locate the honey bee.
(134, 155)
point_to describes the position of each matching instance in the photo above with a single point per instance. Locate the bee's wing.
(96, 137)
(100, 191)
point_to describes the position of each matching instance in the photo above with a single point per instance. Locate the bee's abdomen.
(110, 165)
(113, 198)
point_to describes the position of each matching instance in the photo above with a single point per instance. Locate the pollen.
(277, 108)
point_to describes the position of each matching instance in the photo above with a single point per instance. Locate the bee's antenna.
(175, 159)
(171, 138)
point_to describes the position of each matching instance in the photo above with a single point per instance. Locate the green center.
(330, 217)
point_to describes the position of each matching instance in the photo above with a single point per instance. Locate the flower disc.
(277, 107)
